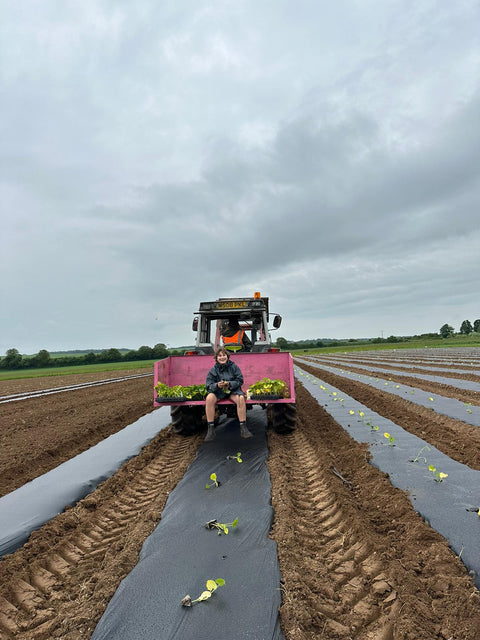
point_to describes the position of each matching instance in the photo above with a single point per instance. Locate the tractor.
(262, 360)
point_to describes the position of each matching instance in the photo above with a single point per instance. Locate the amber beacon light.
(257, 295)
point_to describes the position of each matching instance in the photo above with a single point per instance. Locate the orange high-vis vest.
(234, 342)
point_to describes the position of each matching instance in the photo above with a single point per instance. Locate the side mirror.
(277, 321)
(195, 324)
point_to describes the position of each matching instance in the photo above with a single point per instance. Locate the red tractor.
(258, 361)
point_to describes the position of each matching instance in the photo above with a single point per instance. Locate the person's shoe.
(244, 432)
(210, 433)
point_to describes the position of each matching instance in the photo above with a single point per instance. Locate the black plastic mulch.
(450, 506)
(181, 554)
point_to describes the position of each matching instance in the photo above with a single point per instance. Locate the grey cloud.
(328, 153)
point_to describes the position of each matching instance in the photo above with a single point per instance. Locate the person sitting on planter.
(224, 380)
(234, 337)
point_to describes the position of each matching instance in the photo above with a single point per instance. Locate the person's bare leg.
(242, 415)
(210, 403)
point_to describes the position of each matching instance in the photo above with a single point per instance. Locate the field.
(356, 559)
(74, 370)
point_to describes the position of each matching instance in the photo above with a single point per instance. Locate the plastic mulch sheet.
(181, 554)
(450, 507)
(448, 406)
(29, 507)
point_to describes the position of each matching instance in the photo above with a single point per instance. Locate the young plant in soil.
(215, 482)
(438, 475)
(391, 439)
(419, 457)
(212, 585)
(220, 526)
(238, 457)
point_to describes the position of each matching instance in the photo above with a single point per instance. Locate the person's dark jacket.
(228, 371)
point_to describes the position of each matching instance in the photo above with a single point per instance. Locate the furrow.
(35, 607)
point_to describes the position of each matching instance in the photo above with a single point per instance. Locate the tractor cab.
(248, 314)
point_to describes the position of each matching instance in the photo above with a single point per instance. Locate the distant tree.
(160, 351)
(110, 355)
(130, 355)
(392, 339)
(476, 326)
(12, 360)
(466, 327)
(42, 359)
(89, 358)
(319, 343)
(282, 343)
(446, 331)
(145, 353)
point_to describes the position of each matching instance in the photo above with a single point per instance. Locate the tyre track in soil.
(458, 440)
(59, 583)
(357, 562)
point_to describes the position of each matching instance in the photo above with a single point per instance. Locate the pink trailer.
(187, 370)
(189, 417)
(252, 351)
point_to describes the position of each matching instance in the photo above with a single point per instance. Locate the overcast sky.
(155, 154)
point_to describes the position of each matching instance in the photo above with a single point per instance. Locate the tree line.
(15, 360)
(446, 331)
(466, 328)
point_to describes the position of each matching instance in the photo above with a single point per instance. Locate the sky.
(159, 154)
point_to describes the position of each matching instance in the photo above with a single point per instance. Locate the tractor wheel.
(283, 418)
(186, 421)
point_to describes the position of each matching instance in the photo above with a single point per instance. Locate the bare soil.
(356, 559)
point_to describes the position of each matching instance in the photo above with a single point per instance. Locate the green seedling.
(215, 482)
(390, 439)
(419, 457)
(238, 457)
(212, 585)
(438, 475)
(220, 526)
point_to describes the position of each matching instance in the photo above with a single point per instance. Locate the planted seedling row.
(467, 412)
(442, 490)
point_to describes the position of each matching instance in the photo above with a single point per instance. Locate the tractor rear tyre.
(186, 421)
(283, 418)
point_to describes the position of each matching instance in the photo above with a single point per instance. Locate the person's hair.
(219, 351)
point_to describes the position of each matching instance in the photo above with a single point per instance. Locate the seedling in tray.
(220, 526)
(212, 585)
(215, 482)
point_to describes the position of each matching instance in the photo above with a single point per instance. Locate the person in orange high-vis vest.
(234, 338)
